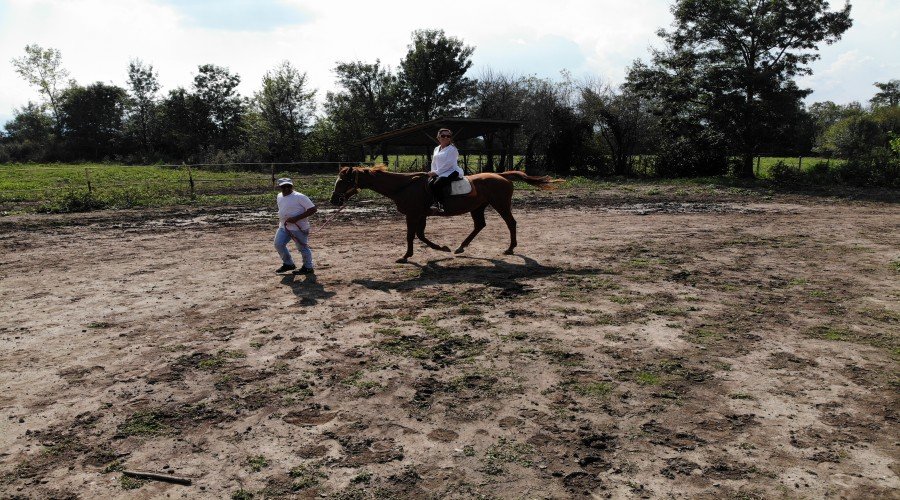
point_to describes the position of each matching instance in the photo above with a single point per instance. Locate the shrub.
(880, 167)
(684, 157)
(781, 172)
(75, 201)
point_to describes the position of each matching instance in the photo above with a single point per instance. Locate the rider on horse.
(444, 167)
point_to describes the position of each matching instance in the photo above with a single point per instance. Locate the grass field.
(64, 188)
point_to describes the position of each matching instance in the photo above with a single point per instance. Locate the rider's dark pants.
(437, 185)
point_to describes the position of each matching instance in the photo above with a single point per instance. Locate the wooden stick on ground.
(158, 477)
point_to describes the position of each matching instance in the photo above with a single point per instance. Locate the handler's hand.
(432, 174)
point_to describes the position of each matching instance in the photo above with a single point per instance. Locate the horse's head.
(346, 186)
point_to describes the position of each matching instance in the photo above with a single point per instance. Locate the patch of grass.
(598, 390)
(256, 344)
(390, 332)
(219, 359)
(99, 324)
(742, 395)
(469, 450)
(364, 387)
(831, 333)
(362, 478)
(130, 483)
(440, 347)
(896, 266)
(619, 299)
(647, 378)
(306, 476)
(145, 423)
(242, 494)
(257, 463)
(505, 452)
(705, 335)
(564, 358)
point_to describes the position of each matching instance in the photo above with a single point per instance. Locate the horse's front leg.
(411, 226)
(420, 232)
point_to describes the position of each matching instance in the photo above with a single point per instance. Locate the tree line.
(721, 91)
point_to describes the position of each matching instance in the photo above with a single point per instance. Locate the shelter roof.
(423, 134)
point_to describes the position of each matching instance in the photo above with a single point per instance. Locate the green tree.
(43, 69)
(497, 96)
(729, 66)
(371, 90)
(374, 89)
(216, 88)
(143, 84)
(888, 95)
(92, 120)
(286, 106)
(188, 126)
(30, 134)
(621, 120)
(432, 76)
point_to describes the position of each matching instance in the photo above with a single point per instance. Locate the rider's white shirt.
(444, 162)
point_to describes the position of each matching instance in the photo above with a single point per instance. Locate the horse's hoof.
(459, 250)
(445, 248)
(508, 252)
(401, 260)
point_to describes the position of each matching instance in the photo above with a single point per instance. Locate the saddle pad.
(462, 186)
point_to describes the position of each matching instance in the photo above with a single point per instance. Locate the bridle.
(352, 190)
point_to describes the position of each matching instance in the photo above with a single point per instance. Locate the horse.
(409, 192)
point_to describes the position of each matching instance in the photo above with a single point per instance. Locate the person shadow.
(307, 288)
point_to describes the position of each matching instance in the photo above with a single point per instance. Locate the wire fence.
(22, 179)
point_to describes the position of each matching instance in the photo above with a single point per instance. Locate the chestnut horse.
(409, 192)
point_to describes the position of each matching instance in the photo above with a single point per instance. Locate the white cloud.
(97, 38)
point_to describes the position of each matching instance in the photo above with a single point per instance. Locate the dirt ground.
(741, 347)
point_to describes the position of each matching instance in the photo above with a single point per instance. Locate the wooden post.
(758, 158)
(800, 164)
(273, 174)
(191, 182)
(87, 176)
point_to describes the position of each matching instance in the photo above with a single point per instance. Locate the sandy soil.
(741, 349)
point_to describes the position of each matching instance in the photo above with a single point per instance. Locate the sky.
(587, 38)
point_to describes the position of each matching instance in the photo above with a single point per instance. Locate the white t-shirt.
(444, 162)
(292, 205)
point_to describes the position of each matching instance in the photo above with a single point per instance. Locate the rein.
(327, 220)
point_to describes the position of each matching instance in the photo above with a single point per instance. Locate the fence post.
(273, 174)
(191, 182)
(87, 175)
(800, 164)
(758, 158)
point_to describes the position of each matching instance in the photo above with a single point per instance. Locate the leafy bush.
(76, 201)
(684, 157)
(781, 172)
(880, 167)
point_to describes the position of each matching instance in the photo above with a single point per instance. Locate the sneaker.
(285, 268)
(305, 270)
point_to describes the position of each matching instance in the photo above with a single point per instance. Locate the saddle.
(457, 188)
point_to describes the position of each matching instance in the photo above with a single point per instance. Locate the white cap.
(285, 181)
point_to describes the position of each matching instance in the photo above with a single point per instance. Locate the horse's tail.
(543, 182)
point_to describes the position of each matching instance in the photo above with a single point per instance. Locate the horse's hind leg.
(420, 232)
(478, 219)
(505, 211)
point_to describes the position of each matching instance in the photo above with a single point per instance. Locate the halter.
(352, 190)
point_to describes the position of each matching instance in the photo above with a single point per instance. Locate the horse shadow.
(306, 288)
(501, 274)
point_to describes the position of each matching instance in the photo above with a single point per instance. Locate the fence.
(45, 187)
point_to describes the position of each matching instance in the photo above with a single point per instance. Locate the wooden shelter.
(498, 139)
